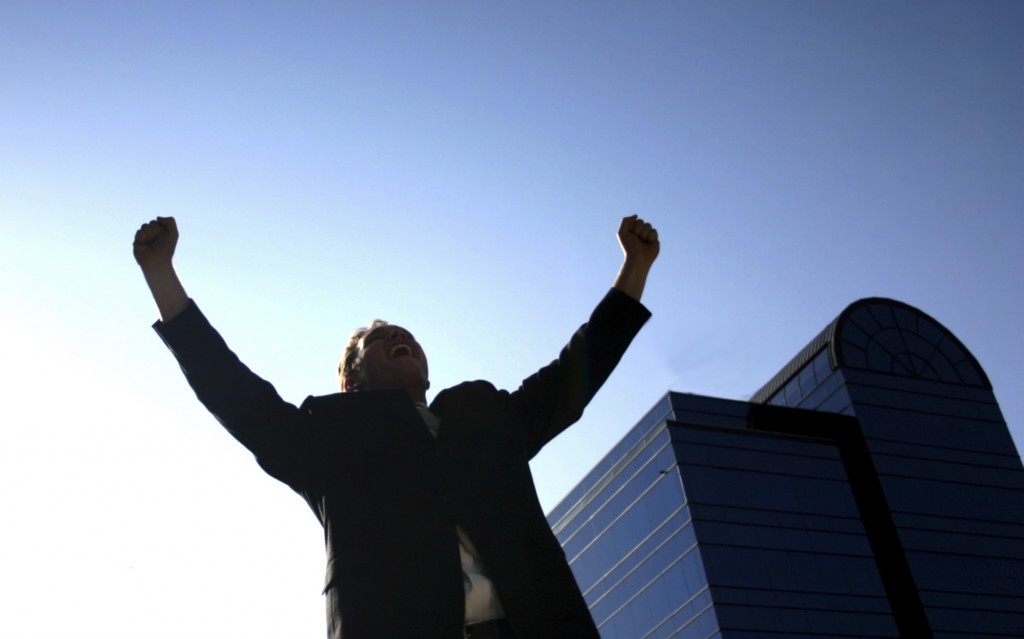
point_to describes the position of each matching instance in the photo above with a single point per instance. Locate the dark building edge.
(897, 578)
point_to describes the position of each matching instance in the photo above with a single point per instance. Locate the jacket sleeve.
(553, 398)
(275, 431)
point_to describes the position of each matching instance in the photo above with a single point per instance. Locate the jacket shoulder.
(358, 401)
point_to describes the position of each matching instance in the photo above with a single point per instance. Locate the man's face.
(390, 357)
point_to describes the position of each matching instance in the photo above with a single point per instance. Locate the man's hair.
(349, 364)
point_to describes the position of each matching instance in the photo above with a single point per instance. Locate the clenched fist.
(639, 240)
(154, 243)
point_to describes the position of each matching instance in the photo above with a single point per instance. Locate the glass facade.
(629, 535)
(870, 489)
(815, 387)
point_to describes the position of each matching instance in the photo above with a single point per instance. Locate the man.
(431, 520)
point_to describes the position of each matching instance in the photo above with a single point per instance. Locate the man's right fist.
(154, 242)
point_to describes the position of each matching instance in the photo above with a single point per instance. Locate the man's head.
(383, 355)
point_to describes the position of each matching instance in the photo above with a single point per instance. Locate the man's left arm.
(553, 399)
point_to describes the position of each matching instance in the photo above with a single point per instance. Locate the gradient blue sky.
(460, 168)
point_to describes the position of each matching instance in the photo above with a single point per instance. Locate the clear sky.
(459, 168)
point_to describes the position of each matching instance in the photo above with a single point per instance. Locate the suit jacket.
(389, 495)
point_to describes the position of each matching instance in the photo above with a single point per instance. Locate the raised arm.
(639, 242)
(154, 248)
(277, 432)
(554, 398)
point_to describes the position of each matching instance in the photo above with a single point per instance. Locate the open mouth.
(400, 350)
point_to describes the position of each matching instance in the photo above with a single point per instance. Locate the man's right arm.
(246, 405)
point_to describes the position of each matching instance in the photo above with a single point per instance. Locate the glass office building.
(870, 489)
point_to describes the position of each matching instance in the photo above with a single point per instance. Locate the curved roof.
(887, 336)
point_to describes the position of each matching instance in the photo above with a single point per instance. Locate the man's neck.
(417, 395)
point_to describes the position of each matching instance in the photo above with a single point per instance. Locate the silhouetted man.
(431, 519)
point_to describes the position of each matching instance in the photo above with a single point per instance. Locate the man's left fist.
(639, 240)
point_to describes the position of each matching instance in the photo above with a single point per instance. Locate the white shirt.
(482, 602)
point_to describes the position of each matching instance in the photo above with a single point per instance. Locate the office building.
(870, 489)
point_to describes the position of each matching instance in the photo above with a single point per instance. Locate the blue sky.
(459, 168)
